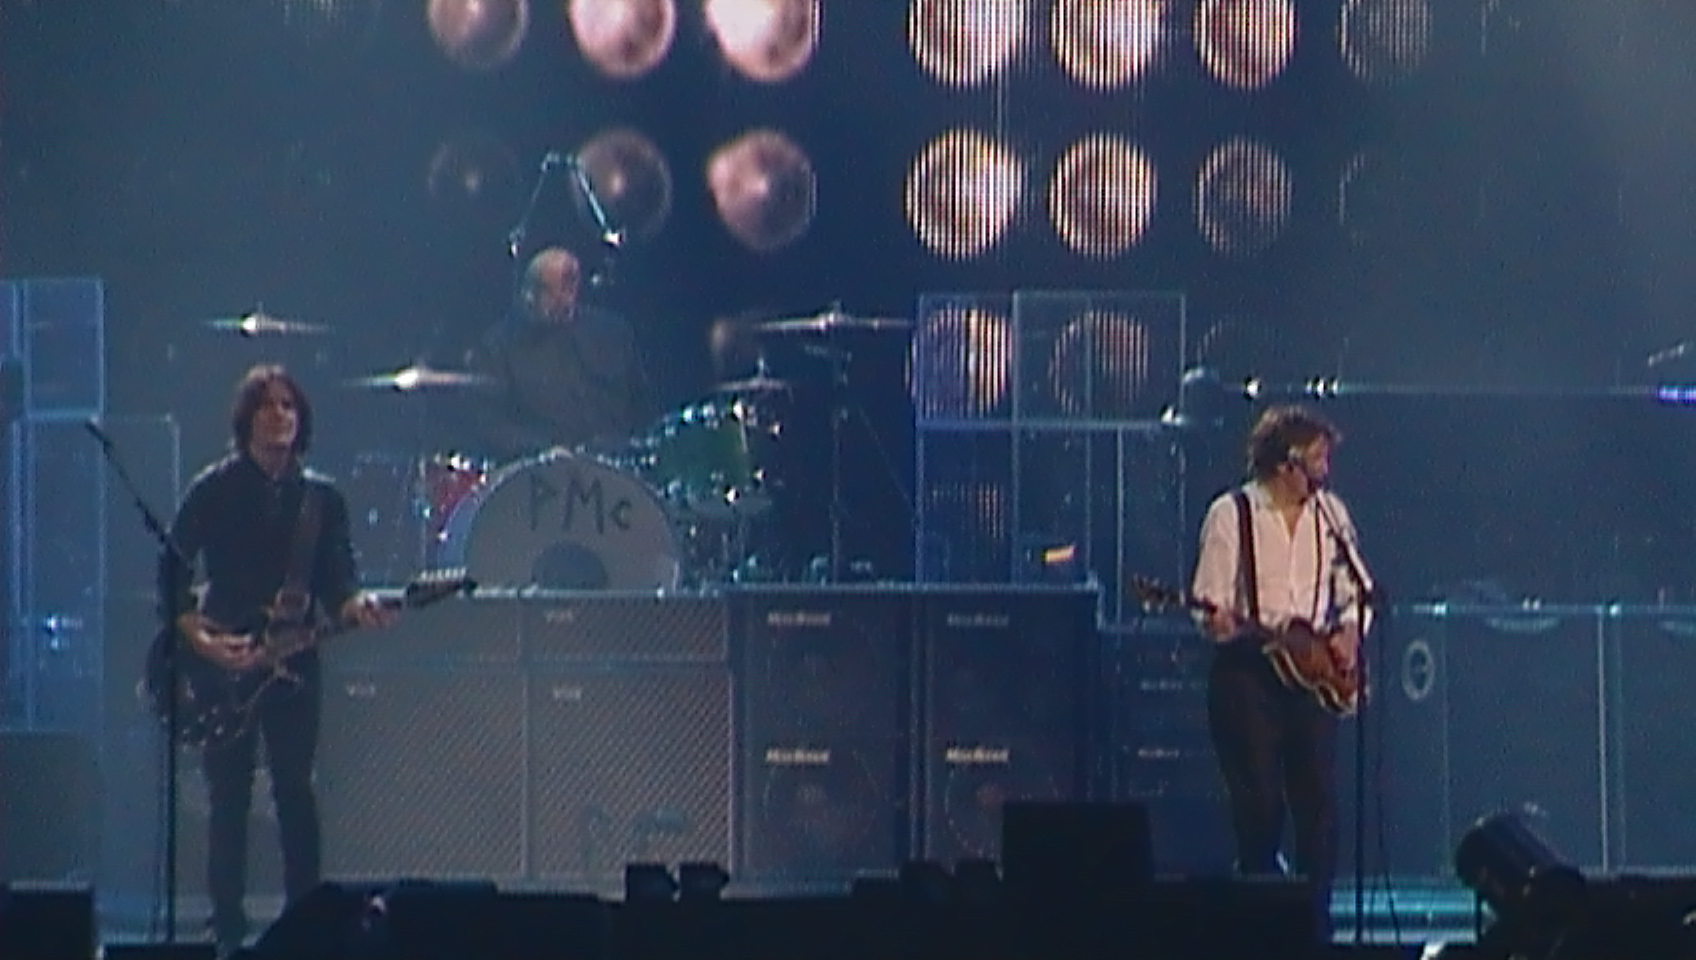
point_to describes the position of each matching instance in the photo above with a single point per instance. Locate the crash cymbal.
(831, 320)
(759, 383)
(421, 377)
(259, 322)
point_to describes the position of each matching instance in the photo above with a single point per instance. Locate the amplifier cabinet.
(822, 725)
(1652, 683)
(1005, 708)
(421, 772)
(627, 764)
(618, 628)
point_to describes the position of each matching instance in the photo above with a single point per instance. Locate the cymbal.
(420, 377)
(258, 322)
(831, 320)
(759, 383)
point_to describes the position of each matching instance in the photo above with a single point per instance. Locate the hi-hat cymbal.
(421, 377)
(831, 320)
(259, 322)
(759, 383)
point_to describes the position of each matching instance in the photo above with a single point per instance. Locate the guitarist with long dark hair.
(1274, 592)
(273, 539)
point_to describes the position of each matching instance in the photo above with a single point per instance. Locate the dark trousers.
(1277, 749)
(287, 717)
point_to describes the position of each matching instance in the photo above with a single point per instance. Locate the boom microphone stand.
(168, 548)
(1367, 599)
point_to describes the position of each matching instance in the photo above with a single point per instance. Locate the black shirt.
(558, 384)
(240, 523)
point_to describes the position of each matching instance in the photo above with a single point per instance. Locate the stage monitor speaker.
(422, 772)
(627, 763)
(1007, 701)
(824, 709)
(41, 922)
(49, 814)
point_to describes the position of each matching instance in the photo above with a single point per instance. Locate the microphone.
(99, 434)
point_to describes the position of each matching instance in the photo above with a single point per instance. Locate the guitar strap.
(1245, 554)
(1245, 542)
(294, 595)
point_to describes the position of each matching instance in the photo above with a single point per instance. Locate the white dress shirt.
(1300, 572)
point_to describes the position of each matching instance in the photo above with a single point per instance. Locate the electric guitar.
(214, 705)
(1300, 653)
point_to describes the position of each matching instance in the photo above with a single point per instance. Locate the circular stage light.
(471, 171)
(1385, 41)
(623, 39)
(962, 361)
(1104, 44)
(1102, 197)
(765, 40)
(1245, 43)
(479, 35)
(1242, 197)
(966, 42)
(963, 192)
(630, 177)
(1099, 365)
(764, 188)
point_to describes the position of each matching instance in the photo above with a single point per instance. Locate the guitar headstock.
(437, 584)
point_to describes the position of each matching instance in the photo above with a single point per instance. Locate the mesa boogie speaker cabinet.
(1006, 704)
(823, 715)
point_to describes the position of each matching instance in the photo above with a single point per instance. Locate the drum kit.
(687, 502)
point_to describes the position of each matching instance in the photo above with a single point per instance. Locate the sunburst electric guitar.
(214, 705)
(1300, 653)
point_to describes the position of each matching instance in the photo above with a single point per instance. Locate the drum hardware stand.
(840, 410)
(173, 723)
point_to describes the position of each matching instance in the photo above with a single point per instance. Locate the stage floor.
(1409, 912)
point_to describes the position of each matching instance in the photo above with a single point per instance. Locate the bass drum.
(563, 521)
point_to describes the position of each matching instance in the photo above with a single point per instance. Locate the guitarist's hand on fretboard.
(365, 609)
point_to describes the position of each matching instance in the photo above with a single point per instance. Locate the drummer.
(565, 374)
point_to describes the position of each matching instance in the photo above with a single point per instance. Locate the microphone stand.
(521, 229)
(611, 237)
(175, 564)
(1367, 599)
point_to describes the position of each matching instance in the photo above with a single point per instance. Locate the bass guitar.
(213, 705)
(1300, 654)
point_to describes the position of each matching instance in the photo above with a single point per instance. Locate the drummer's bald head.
(551, 280)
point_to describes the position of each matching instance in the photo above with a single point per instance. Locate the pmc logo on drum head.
(564, 521)
(579, 492)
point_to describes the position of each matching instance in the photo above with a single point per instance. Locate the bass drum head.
(563, 521)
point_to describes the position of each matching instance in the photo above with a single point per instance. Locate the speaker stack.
(792, 734)
(1005, 710)
(824, 731)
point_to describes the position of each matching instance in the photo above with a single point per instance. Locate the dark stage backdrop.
(1435, 192)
